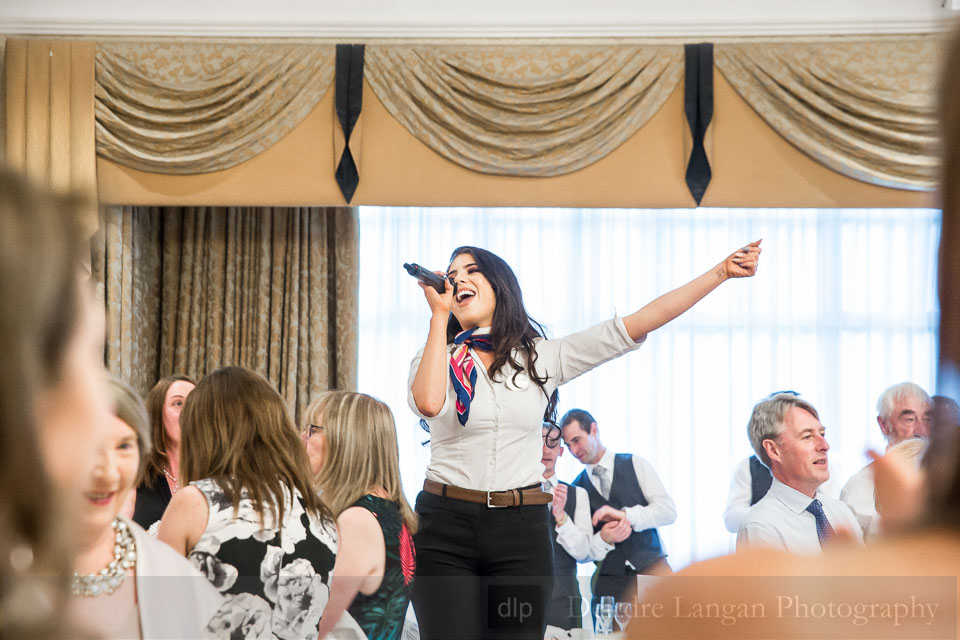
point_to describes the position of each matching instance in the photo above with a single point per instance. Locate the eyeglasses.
(789, 392)
(553, 436)
(313, 429)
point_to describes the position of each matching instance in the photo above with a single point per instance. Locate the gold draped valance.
(523, 110)
(864, 108)
(188, 108)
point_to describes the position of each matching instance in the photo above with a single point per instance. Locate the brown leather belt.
(493, 499)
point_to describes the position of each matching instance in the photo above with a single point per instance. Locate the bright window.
(843, 306)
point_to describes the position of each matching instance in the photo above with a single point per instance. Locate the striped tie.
(463, 373)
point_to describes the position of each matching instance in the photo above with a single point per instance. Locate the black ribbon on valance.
(348, 97)
(698, 105)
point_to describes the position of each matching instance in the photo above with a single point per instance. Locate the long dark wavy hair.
(513, 328)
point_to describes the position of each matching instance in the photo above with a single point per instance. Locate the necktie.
(604, 477)
(463, 373)
(824, 530)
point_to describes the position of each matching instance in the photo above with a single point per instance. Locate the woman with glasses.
(573, 538)
(483, 383)
(351, 440)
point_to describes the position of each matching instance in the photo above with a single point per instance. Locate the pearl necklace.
(176, 484)
(111, 576)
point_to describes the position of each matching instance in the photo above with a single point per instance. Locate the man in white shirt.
(573, 536)
(624, 489)
(787, 436)
(904, 411)
(751, 481)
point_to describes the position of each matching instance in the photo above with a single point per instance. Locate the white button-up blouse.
(500, 446)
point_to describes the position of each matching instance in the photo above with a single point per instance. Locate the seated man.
(904, 411)
(787, 436)
(624, 490)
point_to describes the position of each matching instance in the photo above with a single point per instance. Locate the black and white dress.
(276, 579)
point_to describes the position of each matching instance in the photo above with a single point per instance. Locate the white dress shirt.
(500, 446)
(660, 510)
(780, 520)
(858, 495)
(741, 492)
(576, 535)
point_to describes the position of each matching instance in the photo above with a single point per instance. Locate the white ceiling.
(465, 19)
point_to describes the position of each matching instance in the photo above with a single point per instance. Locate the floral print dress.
(276, 579)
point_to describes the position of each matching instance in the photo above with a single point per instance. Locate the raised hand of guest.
(742, 263)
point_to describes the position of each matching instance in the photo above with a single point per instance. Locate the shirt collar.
(794, 500)
(606, 461)
(552, 480)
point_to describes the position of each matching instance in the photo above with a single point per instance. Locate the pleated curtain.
(188, 290)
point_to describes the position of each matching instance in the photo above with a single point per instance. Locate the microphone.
(427, 277)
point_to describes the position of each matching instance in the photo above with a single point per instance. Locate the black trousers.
(481, 572)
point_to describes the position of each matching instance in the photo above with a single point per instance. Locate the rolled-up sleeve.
(414, 365)
(565, 358)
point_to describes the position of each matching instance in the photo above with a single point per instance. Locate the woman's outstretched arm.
(429, 386)
(742, 263)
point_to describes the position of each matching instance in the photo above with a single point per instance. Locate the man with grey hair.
(904, 411)
(787, 436)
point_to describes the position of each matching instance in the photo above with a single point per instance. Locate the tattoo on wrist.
(721, 272)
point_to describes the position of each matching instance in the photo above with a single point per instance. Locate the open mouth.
(99, 498)
(822, 462)
(464, 295)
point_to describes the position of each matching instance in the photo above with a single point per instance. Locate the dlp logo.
(514, 607)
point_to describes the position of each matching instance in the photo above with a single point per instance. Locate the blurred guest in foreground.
(247, 513)
(167, 598)
(52, 400)
(162, 464)
(352, 441)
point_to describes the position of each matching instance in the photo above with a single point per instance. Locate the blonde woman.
(351, 439)
(112, 548)
(247, 513)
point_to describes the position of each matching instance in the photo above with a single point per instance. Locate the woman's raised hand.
(440, 303)
(742, 263)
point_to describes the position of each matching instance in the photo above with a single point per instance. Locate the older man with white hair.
(794, 516)
(904, 411)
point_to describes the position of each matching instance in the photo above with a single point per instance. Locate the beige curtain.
(188, 290)
(49, 114)
(863, 108)
(187, 108)
(523, 110)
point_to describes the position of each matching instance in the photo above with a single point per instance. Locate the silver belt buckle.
(493, 506)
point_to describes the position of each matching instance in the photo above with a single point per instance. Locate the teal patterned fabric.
(382, 613)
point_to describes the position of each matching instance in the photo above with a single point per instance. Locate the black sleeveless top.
(381, 614)
(152, 500)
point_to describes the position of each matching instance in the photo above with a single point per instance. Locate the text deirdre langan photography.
(806, 607)
(792, 606)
